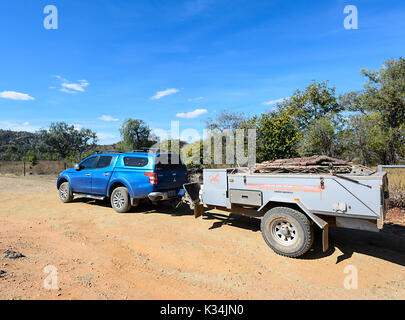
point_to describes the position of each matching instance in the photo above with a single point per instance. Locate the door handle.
(88, 174)
(106, 173)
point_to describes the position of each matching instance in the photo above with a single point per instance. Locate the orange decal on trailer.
(286, 187)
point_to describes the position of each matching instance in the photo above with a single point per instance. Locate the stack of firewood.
(314, 164)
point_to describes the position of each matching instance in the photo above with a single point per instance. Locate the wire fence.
(24, 168)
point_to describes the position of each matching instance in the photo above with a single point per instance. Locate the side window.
(89, 163)
(135, 161)
(104, 161)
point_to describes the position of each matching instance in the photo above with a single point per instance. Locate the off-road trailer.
(290, 205)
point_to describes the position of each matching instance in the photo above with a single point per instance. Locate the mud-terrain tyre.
(65, 194)
(287, 231)
(120, 200)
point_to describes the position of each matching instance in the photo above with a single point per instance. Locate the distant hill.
(15, 138)
(22, 142)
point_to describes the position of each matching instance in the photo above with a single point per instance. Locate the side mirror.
(77, 167)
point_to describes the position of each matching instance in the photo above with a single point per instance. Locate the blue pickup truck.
(124, 178)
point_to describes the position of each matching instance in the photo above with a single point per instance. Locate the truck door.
(81, 180)
(101, 175)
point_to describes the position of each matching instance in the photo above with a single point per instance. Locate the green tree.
(321, 137)
(277, 135)
(136, 134)
(167, 144)
(364, 140)
(226, 120)
(31, 157)
(315, 102)
(384, 93)
(188, 153)
(11, 153)
(65, 140)
(305, 123)
(225, 125)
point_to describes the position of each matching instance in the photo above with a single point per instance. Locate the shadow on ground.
(388, 244)
(94, 202)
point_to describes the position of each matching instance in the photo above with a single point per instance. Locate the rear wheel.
(65, 194)
(287, 231)
(120, 200)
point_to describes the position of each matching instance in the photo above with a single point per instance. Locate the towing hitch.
(192, 198)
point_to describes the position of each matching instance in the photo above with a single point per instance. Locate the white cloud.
(107, 138)
(66, 90)
(191, 114)
(108, 118)
(78, 126)
(72, 87)
(195, 99)
(13, 95)
(272, 102)
(161, 94)
(17, 126)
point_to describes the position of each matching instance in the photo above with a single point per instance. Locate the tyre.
(120, 200)
(65, 194)
(287, 231)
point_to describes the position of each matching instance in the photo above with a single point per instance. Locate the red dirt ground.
(158, 253)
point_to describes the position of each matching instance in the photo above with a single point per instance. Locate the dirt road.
(155, 252)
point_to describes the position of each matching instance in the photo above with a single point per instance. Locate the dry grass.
(396, 186)
(396, 179)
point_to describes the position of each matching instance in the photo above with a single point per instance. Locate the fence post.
(24, 168)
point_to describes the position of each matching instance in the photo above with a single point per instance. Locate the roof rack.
(107, 151)
(144, 149)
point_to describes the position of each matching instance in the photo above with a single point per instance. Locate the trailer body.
(349, 200)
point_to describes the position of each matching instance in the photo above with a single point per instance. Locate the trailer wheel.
(120, 200)
(287, 231)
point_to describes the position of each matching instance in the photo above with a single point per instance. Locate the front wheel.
(287, 231)
(120, 200)
(65, 194)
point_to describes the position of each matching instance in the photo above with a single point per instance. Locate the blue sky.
(180, 60)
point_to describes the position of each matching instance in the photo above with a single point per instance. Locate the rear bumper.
(161, 195)
(158, 196)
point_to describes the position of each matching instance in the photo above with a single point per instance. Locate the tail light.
(153, 177)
